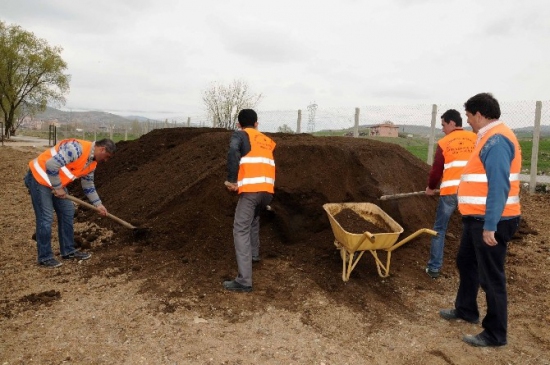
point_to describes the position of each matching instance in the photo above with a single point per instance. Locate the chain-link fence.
(519, 116)
(418, 123)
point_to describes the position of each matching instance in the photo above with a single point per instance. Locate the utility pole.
(312, 108)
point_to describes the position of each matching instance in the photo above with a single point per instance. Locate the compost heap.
(171, 180)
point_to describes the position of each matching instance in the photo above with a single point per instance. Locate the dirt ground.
(160, 300)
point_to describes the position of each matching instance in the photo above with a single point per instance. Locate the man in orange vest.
(46, 180)
(451, 156)
(488, 199)
(251, 173)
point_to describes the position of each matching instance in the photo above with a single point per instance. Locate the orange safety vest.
(473, 188)
(457, 147)
(257, 167)
(67, 173)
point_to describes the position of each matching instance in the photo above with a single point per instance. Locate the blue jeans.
(44, 204)
(445, 208)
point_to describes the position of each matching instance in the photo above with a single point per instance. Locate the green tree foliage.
(32, 74)
(223, 103)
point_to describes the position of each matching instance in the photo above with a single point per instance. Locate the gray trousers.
(246, 232)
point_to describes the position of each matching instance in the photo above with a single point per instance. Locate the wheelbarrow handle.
(109, 215)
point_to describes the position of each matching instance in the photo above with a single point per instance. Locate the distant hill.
(92, 117)
(137, 117)
(528, 131)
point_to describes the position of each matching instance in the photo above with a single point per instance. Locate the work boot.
(50, 263)
(77, 255)
(479, 341)
(433, 274)
(235, 286)
(450, 315)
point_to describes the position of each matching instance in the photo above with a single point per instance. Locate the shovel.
(405, 195)
(137, 232)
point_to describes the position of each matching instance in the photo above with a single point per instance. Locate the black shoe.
(234, 286)
(256, 259)
(50, 263)
(478, 341)
(433, 274)
(77, 255)
(450, 315)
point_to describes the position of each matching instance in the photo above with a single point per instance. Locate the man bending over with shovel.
(46, 180)
(251, 155)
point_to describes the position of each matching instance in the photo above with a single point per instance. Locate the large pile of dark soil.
(171, 180)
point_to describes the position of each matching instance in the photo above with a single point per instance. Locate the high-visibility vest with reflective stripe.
(457, 147)
(67, 173)
(257, 167)
(473, 188)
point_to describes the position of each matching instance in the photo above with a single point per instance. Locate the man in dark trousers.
(488, 199)
(250, 172)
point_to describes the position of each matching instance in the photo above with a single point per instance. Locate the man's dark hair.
(453, 115)
(247, 118)
(485, 104)
(109, 145)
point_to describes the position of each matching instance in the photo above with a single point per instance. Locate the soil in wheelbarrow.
(160, 300)
(352, 222)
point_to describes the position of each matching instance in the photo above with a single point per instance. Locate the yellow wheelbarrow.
(352, 246)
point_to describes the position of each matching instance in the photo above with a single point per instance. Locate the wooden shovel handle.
(404, 195)
(109, 215)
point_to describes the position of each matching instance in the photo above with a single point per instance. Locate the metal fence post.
(430, 158)
(299, 122)
(52, 135)
(535, 150)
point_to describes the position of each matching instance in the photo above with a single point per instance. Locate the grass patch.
(543, 163)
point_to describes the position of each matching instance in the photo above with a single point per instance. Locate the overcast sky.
(155, 58)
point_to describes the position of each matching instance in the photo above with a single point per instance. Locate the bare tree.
(223, 103)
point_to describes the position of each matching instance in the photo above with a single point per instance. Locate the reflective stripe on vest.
(256, 180)
(483, 177)
(448, 183)
(257, 167)
(257, 160)
(473, 187)
(457, 163)
(480, 200)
